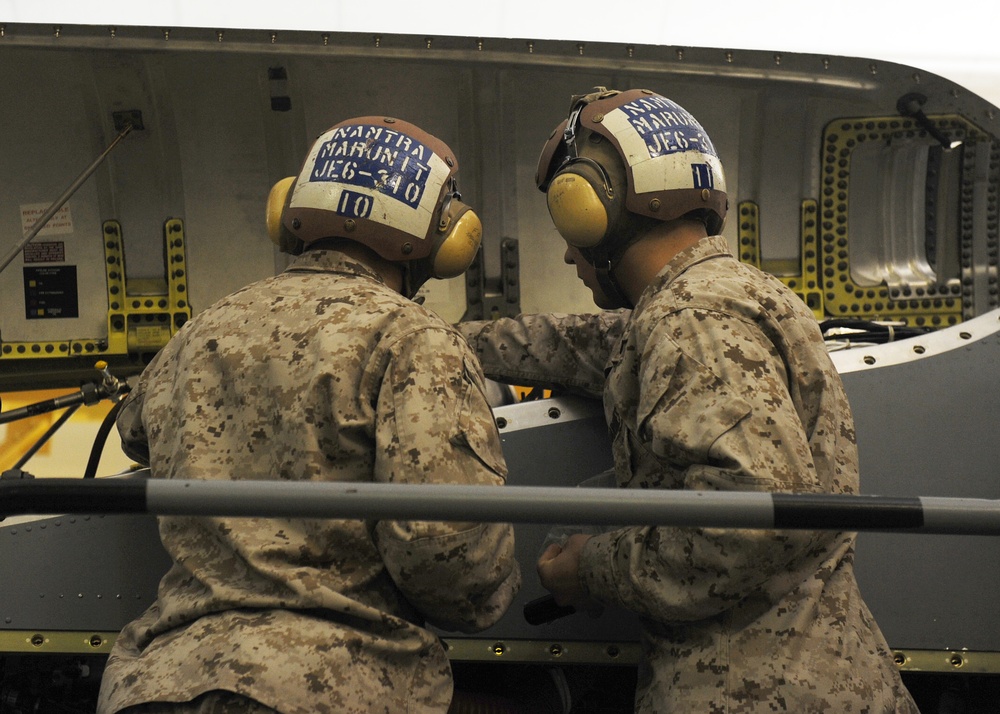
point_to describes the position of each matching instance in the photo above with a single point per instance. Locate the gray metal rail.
(513, 504)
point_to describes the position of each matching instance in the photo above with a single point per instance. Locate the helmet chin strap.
(609, 284)
(415, 274)
(606, 256)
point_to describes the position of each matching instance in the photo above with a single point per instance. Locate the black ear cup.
(584, 205)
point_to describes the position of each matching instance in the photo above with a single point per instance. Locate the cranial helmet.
(620, 163)
(386, 184)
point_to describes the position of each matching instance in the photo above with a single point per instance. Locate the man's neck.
(645, 258)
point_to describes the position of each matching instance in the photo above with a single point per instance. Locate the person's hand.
(559, 571)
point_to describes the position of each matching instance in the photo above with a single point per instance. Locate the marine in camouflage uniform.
(716, 379)
(321, 373)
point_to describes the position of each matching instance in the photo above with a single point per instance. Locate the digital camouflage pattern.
(214, 702)
(719, 380)
(321, 373)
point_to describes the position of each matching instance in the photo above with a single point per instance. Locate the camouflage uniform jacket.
(719, 380)
(321, 373)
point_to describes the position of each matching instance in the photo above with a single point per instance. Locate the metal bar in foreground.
(511, 504)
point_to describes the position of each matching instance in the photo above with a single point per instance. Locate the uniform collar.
(705, 249)
(324, 260)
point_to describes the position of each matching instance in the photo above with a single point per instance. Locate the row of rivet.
(480, 46)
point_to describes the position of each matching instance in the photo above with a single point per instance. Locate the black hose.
(99, 441)
(868, 331)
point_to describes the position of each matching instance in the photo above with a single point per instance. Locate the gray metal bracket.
(493, 297)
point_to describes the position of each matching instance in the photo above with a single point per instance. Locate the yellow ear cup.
(458, 249)
(577, 211)
(276, 201)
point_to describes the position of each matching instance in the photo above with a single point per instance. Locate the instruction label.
(45, 252)
(51, 292)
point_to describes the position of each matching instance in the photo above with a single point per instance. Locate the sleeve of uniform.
(434, 426)
(130, 427)
(547, 350)
(718, 408)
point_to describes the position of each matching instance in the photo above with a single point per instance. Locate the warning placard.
(60, 223)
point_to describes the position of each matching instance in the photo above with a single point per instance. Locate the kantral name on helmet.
(666, 127)
(370, 156)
